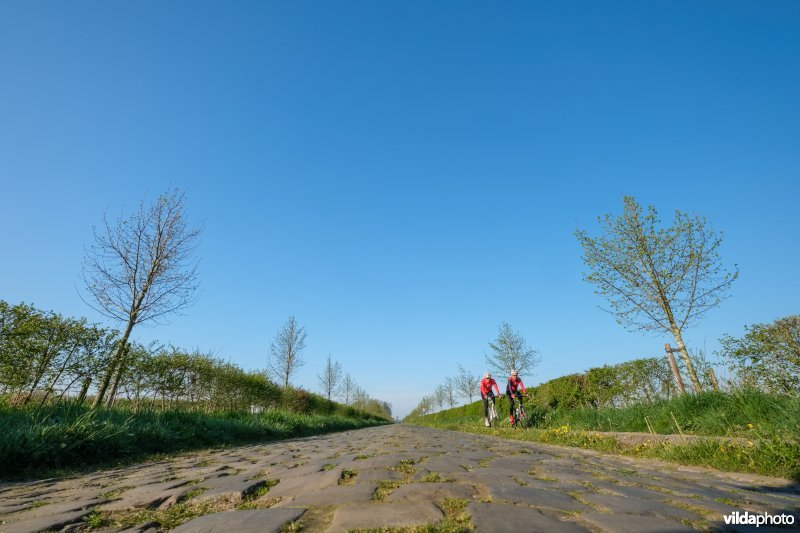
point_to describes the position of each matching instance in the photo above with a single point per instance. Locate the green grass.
(739, 414)
(745, 413)
(53, 439)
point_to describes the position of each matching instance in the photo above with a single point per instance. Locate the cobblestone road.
(395, 476)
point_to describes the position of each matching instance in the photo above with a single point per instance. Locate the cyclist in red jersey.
(514, 388)
(487, 383)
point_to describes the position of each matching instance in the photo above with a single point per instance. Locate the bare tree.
(657, 278)
(286, 351)
(141, 268)
(511, 352)
(331, 378)
(348, 389)
(465, 383)
(450, 392)
(440, 396)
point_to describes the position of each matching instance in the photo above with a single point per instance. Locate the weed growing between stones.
(436, 477)
(456, 517)
(406, 466)
(541, 477)
(183, 511)
(292, 527)
(384, 489)
(327, 466)
(252, 497)
(348, 477)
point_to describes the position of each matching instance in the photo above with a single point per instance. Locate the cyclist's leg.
(510, 407)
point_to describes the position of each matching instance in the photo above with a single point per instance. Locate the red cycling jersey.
(514, 384)
(486, 386)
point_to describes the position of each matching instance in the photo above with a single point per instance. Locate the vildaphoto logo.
(764, 519)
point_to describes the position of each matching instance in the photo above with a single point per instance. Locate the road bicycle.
(492, 412)
(520, 417)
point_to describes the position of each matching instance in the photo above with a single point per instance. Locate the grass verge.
(56, 439)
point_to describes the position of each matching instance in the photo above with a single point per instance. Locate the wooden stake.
(713, 379)
(674, 366)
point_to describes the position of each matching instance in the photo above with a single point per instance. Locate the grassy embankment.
(57, 439)
(757, 432)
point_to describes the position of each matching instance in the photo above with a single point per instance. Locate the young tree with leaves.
(286, 351)
(141, 268)
(768, 355)
(657, 278)
(510, 352)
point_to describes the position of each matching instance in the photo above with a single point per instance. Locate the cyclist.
(516, 388)
(487, 383)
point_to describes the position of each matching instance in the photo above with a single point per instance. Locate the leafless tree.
(348, 390)
(450, 392)
(141, 268)
(286, 351)
(331, 378)
(440, 396)
(465, 383)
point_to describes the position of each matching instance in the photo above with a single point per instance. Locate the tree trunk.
(47, 356)
(698, 388)
(116, 360)
(120, 370)
(84, 389)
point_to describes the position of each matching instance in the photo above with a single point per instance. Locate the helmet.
(487, 375)
(513, 372)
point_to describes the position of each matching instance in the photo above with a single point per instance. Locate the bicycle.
(520, 417)
(492, 413)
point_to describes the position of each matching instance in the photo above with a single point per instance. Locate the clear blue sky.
(402, 176)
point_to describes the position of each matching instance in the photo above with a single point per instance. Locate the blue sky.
(402, 176)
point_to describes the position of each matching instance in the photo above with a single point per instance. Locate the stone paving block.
(632, 523)
(254, 521)
(379, 515)
(624, 506)
(640, 492)
(551, 499)
(293, 485)
(47, 518)
(227, 486)
(435, 492)
(499, 518)
(349, 494)
(148, 496)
